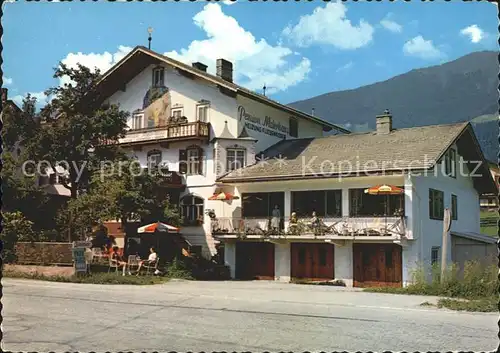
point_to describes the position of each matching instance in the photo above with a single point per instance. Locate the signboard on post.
(79, 248)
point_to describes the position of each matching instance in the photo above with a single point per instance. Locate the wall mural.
(156, 105)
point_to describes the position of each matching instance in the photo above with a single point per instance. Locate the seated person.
(118, 259)
(151, 259)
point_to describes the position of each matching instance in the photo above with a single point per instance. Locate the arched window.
(154, 159)
(192, 210)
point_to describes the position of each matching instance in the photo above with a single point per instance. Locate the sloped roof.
(416, 148)
(140, 58)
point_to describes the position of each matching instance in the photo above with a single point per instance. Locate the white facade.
(224, 113)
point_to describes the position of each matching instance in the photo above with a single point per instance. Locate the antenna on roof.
(264, 89)
(312, 112)
(150, 30)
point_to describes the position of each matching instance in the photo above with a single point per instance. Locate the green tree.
(125, 192)
(15, 227)
(77, 131)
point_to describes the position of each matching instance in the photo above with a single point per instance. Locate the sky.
(298, 50)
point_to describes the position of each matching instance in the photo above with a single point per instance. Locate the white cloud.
(102, 61)
(256, 62)
(422, 48)
(41, 98)
(329, 25)
(391, 25)
(474, 33)
(7, 81)
(345, 67)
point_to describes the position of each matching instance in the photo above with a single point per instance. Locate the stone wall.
(65, 271)
(44, 253)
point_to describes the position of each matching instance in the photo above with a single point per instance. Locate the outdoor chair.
(112, 264)
(132, 262)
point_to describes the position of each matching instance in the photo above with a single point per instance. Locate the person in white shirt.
(151, 259)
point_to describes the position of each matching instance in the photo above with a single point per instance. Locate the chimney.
(5, 94)
(225, 69)
(200, 66)
(384, 123)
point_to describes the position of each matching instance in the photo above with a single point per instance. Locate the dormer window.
(158, 77)
(177, 113)
(137, 121)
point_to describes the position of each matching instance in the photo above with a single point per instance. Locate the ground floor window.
(434, 255)
(192, 210)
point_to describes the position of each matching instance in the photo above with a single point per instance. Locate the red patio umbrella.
(223, 196)
(158, 227)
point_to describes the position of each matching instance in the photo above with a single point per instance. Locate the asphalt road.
(231, 316)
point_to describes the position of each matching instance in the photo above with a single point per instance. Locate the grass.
(489, 230)
(474, 290)
(96, 278)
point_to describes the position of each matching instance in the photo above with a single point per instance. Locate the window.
(158, 77)
(177, 113)
(362, 205)
(326, 203)
(235, 158)
(261, 204)
(137, 121)
(434, 255)
(191, 161)
(293, 127)
(192, 210)
(450, 163)
(436, 204)
(202, 113)
(454, 207)
(154, 159)
(322, 257)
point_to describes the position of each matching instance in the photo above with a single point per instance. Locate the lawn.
(96, 278)
(492, 228)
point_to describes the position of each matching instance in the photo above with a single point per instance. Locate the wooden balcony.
(172, 132)
(342, 228)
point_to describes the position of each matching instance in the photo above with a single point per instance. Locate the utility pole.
(444, 248)
(150, 30)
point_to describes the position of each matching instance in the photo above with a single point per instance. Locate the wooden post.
(444, 248)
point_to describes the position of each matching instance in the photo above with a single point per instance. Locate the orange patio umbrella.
(223, 196)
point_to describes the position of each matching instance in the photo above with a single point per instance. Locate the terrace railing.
(345, 226)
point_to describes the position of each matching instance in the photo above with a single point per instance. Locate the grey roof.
(415, 148)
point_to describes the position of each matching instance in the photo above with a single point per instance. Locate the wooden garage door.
(255, 261)
(377, 265)
(312, 261)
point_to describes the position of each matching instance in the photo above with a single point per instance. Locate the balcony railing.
(194, 130)
(347, 226)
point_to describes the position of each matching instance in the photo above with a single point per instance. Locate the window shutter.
(182, 161)
(200, 161)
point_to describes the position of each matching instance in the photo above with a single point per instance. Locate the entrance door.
(313, 261)
(377, 265)
(255, 261)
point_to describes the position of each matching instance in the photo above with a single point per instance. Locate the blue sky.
(298, 50)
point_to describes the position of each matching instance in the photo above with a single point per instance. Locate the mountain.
(464, 89)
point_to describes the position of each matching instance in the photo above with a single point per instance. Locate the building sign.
(264, 125)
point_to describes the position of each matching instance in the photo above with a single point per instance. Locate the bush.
(15, 228)
(178, 269)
